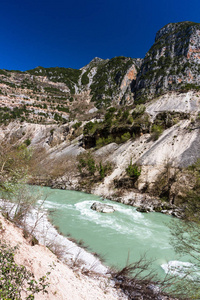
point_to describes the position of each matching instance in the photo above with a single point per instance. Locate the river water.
(117, 237)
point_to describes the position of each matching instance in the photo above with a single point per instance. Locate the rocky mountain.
(58, 94)
(172, 63)
(118, 117)
(112, 80)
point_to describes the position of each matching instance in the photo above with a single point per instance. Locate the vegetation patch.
(91, 170)
(133, 171)
(118, 126)
(7, 114)
(189, 86)
(65, 75)
(108, 78)
(15, 279)
(85, 78)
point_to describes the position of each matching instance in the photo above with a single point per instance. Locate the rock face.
(107, 80)
(48, 95)
(111, 80)
(103, 208)
(172, 63)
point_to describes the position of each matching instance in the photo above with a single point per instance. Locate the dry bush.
(63, 166)
(164, 181)
(58, 249)
(136, 280)
(14, 161)
(139, 281)
(44, 169)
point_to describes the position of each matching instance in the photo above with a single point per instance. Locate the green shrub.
(91, 166)
(125, 115)
(103, 169)
(85, 79)
(86, 164)
(108, 118)
(156, 131)
(190, 86)
(125, 137)
(118, 140)
(88, 167)
(82, 164)
(100, 142)
(130, 120)
(51, 89)
(27, 142)
(77, 125)
(14, 278)
(139, 110)
(133, 171)
(112, 109)
(88, 127)
(64, 109)
(109, 139)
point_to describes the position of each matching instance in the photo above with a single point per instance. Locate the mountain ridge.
(122, 110)
(172, 63)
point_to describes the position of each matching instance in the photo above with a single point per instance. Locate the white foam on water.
(53, 205)
(112, 222)
(179, 268)
(131, 213)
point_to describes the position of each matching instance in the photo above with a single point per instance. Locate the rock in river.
(104, 208)
(144, 209)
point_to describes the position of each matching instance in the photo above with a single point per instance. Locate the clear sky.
(67, 33)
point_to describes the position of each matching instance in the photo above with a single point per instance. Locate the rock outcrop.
(103, 208)
(172, 63)
(111, 81)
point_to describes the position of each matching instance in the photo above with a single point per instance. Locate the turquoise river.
(116, 236)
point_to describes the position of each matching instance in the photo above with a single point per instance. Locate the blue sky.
(71, 33)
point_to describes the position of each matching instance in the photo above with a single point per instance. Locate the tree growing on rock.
(133, 171)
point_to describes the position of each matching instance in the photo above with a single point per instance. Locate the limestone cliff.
(172, 63)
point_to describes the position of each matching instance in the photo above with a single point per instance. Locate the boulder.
(143, 209)
(103, 208)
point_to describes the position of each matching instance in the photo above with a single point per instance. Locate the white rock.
(103, 208)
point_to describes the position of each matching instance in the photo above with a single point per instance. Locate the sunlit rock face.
(172, 63)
